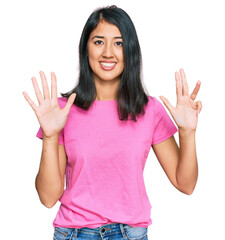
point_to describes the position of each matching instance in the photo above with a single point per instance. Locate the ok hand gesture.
(50, 116)
(185, 114)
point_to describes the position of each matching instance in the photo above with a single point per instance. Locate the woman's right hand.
(51, 117)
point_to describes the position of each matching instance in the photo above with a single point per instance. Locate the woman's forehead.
(106, 30)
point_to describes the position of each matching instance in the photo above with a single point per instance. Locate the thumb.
(70, 102)
(167, 104)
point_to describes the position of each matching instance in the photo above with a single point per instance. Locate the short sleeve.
(163, 124)
(61, 135)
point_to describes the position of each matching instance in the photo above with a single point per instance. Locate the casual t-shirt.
(105, 162)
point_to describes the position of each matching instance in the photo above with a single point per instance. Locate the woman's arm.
(187, 168)
(179, 164)
(50, 178)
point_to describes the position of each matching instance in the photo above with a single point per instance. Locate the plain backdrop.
(44, 35)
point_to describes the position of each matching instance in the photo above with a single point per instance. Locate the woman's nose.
(108, 51)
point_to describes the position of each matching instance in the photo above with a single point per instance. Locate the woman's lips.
(107, 66)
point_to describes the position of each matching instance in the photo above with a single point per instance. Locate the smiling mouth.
(107, 66)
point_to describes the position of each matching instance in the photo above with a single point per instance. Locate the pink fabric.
(106, 159)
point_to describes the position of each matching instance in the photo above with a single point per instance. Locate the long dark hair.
(131, 96)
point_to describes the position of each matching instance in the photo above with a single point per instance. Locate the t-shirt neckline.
(105, 100)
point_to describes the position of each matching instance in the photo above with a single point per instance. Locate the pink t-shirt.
(106, 159)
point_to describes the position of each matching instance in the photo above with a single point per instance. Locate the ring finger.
(195, 91)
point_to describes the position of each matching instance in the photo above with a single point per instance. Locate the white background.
(44, 35)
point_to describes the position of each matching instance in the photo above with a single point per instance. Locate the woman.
(99, 135)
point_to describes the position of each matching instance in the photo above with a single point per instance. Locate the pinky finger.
(28, 99)
(199, 104)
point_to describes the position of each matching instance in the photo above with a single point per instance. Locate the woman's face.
(105, 52)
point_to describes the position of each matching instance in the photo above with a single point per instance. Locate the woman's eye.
(98, 42)
(119, 43)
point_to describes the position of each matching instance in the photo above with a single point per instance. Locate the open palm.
(185, 114)
(50, 116)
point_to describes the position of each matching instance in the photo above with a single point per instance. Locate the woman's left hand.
(185, 114)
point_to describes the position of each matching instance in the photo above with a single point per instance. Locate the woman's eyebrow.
(103, 37)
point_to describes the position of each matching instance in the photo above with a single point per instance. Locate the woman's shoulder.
(153, 101)
(155, 105)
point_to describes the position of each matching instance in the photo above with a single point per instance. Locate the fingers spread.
(69, 103)
(195, 91)
(28, 99)
(37, 90)
(185, 90)
(178, 85)
(53, 86)
(167, 104)
(44, 85)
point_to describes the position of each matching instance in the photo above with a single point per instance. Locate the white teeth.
(107, 64)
